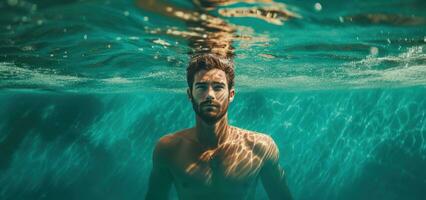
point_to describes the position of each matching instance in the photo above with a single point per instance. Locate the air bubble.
(85, 37)
(126, 13)
(318, 6)
(374, 51)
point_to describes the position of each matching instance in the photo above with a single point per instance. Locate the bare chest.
(229, 168)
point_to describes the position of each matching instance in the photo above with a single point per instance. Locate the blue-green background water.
(87, 87)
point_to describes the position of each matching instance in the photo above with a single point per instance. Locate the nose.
(210, 94)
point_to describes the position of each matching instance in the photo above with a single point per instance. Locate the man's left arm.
(273, 176)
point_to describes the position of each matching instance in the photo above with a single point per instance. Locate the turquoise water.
(87, 87)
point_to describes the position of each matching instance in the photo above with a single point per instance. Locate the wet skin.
(214, 160)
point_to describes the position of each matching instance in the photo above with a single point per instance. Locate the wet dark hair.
(207, 62)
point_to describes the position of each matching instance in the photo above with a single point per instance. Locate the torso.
(228, 172)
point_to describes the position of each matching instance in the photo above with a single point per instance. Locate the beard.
(209, 115)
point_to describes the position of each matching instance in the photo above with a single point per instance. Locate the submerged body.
(230, 171)
(214, 160)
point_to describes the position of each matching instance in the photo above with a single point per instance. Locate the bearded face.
(210, 111)
(210, 95)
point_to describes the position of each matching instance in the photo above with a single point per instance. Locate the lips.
(209, 105)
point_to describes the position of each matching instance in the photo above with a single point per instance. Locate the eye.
(200, 87)
(218, 87)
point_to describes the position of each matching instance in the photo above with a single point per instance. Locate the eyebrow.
(214, 82)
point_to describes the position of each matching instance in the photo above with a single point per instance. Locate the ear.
(189, 93)
(231, 94)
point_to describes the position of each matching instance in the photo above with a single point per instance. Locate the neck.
(212, 135)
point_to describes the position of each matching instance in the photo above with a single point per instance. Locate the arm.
(160, 180)
(273, 176)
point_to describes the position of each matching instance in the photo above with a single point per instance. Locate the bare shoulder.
(168, 143)
(262, 144)
(257, 138)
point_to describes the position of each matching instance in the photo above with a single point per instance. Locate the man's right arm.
(161, 179)
(272, 174)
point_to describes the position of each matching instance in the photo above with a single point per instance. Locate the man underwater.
(215, 160)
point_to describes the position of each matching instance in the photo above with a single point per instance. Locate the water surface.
(87, 87)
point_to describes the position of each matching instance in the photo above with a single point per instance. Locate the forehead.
(213, 75)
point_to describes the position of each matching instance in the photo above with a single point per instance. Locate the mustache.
(210, 103)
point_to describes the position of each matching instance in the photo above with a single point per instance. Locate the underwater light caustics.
(242, 156)
(212, 34)
(271, 15)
